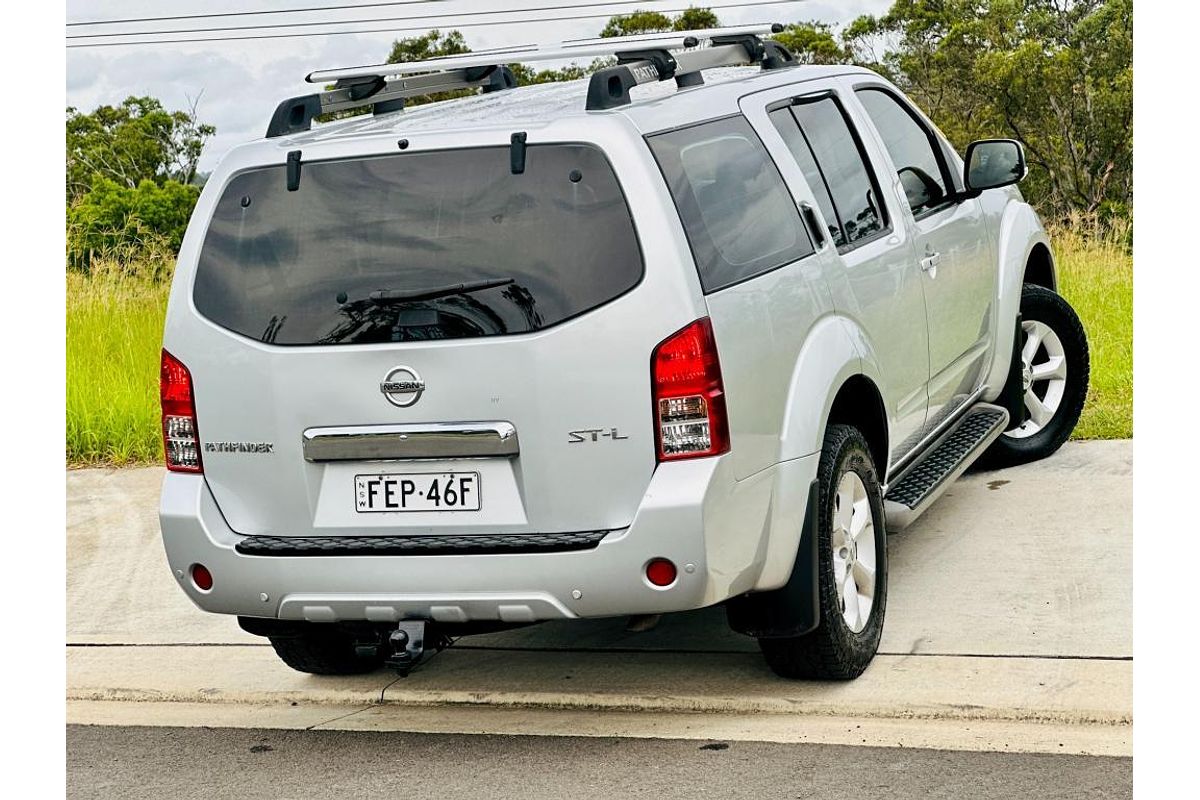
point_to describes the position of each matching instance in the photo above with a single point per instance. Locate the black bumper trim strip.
(458, 545)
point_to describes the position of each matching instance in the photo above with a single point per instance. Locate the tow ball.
(411, 644)
(407, 646)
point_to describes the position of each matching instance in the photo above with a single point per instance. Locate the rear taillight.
(181, 442)
(689, 398)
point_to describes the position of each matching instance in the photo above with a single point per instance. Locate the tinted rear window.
(737, 213)
(369, 250)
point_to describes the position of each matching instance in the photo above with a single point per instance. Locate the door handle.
(930, 263)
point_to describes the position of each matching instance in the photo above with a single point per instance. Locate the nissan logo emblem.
(402, 386)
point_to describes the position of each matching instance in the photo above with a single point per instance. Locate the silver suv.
(683, 334)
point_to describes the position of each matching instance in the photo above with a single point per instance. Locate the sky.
(239, 83)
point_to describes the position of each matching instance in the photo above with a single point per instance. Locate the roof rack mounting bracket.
(387, 106)
(609, 88)
(499, 77)
(294, 115)
(770, 54)
(361, 89)
(661, 59)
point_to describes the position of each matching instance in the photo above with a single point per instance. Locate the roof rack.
(641, 59)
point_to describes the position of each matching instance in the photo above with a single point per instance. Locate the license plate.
(417, 491)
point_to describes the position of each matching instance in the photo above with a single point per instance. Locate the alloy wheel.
(1043, 377)
(853, 541)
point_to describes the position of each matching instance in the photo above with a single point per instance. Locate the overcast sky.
(240, 82)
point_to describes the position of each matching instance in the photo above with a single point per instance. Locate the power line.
(250, 13)
(449, 23)
(367, 21)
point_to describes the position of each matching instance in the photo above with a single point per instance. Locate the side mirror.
(992, 163)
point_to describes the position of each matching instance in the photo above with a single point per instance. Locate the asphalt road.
(129, 763)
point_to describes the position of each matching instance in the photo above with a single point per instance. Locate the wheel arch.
(1024, 252)
(831, 381)
(859, 403)
(829, 357)
(1039, 267)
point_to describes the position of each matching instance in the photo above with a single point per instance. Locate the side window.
(830, 155)
(789, 129)
(739, 218)
(912, 148)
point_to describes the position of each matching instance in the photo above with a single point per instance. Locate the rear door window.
(785, 122)
(434, 245)
(738, 216)
(830, 155)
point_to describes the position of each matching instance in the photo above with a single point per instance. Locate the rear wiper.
(386, 296)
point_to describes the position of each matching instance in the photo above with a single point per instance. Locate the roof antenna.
(517, 152)
(293, 171)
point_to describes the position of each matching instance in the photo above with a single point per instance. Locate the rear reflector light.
(661, 572)
(181, 440)
(689, 397)
(201, 577)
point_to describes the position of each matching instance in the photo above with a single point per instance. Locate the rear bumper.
(716, 530)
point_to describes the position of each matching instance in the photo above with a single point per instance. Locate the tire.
(1040, 434)
(835, 650)
(324, 650)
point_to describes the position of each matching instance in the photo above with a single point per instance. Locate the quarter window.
(911, 147)
(830, 155)
(737, 214)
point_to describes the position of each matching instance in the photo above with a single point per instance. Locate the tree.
(136, 141)
(696, 19)
(422, 48)
(690, 19)
(527, 76)
(1055, 74)
(813, 43)
(636, 22)
(115, 219)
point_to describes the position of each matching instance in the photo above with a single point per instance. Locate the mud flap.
(794, 608)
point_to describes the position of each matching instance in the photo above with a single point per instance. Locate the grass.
(115, 322)
(1095, 274)
(114, 336)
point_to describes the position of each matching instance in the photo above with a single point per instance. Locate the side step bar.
(923, 482)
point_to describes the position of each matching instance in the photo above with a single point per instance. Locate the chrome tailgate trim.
(409, 441)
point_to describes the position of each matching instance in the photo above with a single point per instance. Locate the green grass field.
(114, 335)
(1095, 273)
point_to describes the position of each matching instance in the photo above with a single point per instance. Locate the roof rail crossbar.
(609, 88)
(640, 59)
(563, 51)
(297, 113)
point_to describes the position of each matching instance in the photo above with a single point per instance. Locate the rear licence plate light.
(181, 440)
(689, 396)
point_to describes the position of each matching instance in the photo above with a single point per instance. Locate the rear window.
(415, 246)
(737, 213)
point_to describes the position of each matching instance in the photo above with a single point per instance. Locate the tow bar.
(408, 646)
